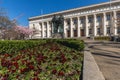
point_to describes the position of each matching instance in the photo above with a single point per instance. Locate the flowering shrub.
(23, 31)
(48, 61)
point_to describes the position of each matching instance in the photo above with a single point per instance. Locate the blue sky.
(30, 8)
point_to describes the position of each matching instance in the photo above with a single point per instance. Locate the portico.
(81, 22)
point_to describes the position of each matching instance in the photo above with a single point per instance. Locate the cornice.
(75, 9)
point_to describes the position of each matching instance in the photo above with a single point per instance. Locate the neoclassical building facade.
(94, 20)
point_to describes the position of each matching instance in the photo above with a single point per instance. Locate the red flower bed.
(47, 62)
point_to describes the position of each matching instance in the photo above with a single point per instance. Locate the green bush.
(14, 46)
(17, 45)
(103, 38)
(72, 43)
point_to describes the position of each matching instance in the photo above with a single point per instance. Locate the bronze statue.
(58, 23)
(55, 25)
(61, 23)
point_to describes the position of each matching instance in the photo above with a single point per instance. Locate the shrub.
(15, 46)
(72, 43)
(103, 38)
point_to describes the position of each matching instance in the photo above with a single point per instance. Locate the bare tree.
(6, 25)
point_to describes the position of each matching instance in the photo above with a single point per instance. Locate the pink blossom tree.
(23, 32)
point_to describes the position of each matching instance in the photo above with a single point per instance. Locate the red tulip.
(16, 65)
(4, 78)
(54, 71)
(36, 78)
(61, 73)
(6, 55)
(31, 67)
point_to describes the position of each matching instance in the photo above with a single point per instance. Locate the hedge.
(14, 46)
(103, 38)
(72, 43)
(17, 45)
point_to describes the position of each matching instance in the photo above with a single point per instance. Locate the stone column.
(104, 24)
(95, 28)
(43, 29)
(114, 23)
(48, 26)
(78, 27)
(50, 29)
(71, 27)
(64, 29)
(86, 26)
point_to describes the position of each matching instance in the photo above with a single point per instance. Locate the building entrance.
(75, 33)
(82, 32)
(68, 33)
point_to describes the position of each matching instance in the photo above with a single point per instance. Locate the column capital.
(114, 10)
(104, 13)
(47, 21)
(71, 18)
(78, 16)
(86, 16)
(94, 14)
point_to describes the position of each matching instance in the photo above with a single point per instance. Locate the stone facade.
(95, 20)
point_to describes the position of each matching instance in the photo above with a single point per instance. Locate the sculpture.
(55, 25)
(58, 23)
(61, 23)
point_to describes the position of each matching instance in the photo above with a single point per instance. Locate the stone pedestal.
(57, 35)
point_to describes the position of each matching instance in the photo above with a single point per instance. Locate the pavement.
(107, 57)
(91, 70)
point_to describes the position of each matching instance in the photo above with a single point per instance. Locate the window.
(90, 31)
(40, 33)
(68, 22)
(75, 21)
(90, 19)
(40, 25)
(50, 33)
(50, 23)
(45, 25)
(108, 17)
(108, 30)
(34, 27)
(69, 27)
(98, 31)
(45, 33)
(82, 20)
(118, 29)
(118, 14)
(99, 19)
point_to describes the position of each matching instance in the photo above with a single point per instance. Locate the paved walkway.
(107, 58)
